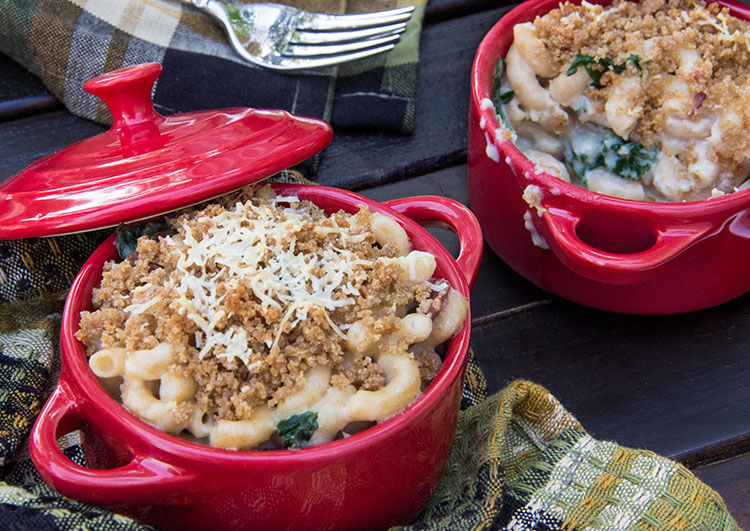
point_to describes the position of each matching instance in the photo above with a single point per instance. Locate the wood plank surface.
(26, 140)
(731, 478)
(18, 84)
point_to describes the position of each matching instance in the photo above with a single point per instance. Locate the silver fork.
(285, 38)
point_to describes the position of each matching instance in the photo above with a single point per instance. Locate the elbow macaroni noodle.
(647, 103)
(156, 387)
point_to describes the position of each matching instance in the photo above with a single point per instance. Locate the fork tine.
(318, 37)
(320, 22)
(301, 63)
(302, 50)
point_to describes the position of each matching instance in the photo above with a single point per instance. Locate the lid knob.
(127, 93)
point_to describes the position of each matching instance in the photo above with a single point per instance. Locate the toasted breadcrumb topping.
(702, 45)
(139, 306)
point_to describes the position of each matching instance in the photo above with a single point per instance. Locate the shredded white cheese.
(250, 245)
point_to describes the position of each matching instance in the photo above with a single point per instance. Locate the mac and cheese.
(646, 101)
(261, 312)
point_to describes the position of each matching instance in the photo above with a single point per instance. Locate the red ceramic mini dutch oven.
(147, 165)
(379, 477)
(609, 253)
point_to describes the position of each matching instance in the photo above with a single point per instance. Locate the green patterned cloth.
(522, 462)
(29, 365)
(67, 42)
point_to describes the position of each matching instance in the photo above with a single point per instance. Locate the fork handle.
(200, 4)
(212, 7)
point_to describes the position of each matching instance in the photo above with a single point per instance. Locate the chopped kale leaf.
(626, 159)
(506, 96)
(500, 94)
(629, 160)
(597, 68)
(580, 60)
(497, 88)
(297, 429)
(636, 60)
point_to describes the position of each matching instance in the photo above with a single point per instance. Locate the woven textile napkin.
(67, 42)
(520, 461)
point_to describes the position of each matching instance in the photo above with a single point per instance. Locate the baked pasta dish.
(645, 101)
(258, 322)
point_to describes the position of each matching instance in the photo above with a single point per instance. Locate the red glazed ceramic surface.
(376, 478)
(148, 164)
(609, 253)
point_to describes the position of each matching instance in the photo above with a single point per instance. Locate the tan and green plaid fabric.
(67, 42)
(520, 461)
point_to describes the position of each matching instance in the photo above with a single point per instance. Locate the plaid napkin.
(520, 461)
(67, 42)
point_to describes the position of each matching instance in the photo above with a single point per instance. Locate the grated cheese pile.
(255, 244)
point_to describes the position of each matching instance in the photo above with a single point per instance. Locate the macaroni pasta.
(261, 311)
(645, 101)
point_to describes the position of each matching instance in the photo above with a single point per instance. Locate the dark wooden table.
(677, 385)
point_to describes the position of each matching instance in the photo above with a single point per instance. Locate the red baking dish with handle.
(609, 253)
(377, 478)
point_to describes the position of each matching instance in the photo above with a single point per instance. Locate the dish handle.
(618, 248)
(142, 480)
(442, 211)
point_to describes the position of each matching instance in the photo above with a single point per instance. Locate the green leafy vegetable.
(506, 96)
(580, 60)
(297, 429)
(597, 68)
(127, 235)
(626, 159)
(629, 160)
(500, 94)
(636, 60)
(499, 70)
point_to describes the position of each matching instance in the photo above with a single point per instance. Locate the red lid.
(148, 164)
